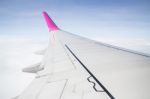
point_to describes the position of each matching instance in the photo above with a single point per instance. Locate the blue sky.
(104, 18)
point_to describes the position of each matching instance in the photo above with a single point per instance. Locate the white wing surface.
(74, 67)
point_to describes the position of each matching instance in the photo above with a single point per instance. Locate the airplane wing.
(74, 67)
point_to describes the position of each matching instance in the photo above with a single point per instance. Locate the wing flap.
(52, 90)
(34, 89)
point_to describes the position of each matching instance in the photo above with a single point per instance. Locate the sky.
(124, 23)
(105, 18)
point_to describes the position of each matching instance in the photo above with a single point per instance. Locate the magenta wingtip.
(51, 25)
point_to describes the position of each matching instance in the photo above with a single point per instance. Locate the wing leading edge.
(74, 67)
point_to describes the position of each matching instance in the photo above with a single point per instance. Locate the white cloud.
(15, 54)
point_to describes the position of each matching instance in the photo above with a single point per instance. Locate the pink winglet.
(51, 25)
